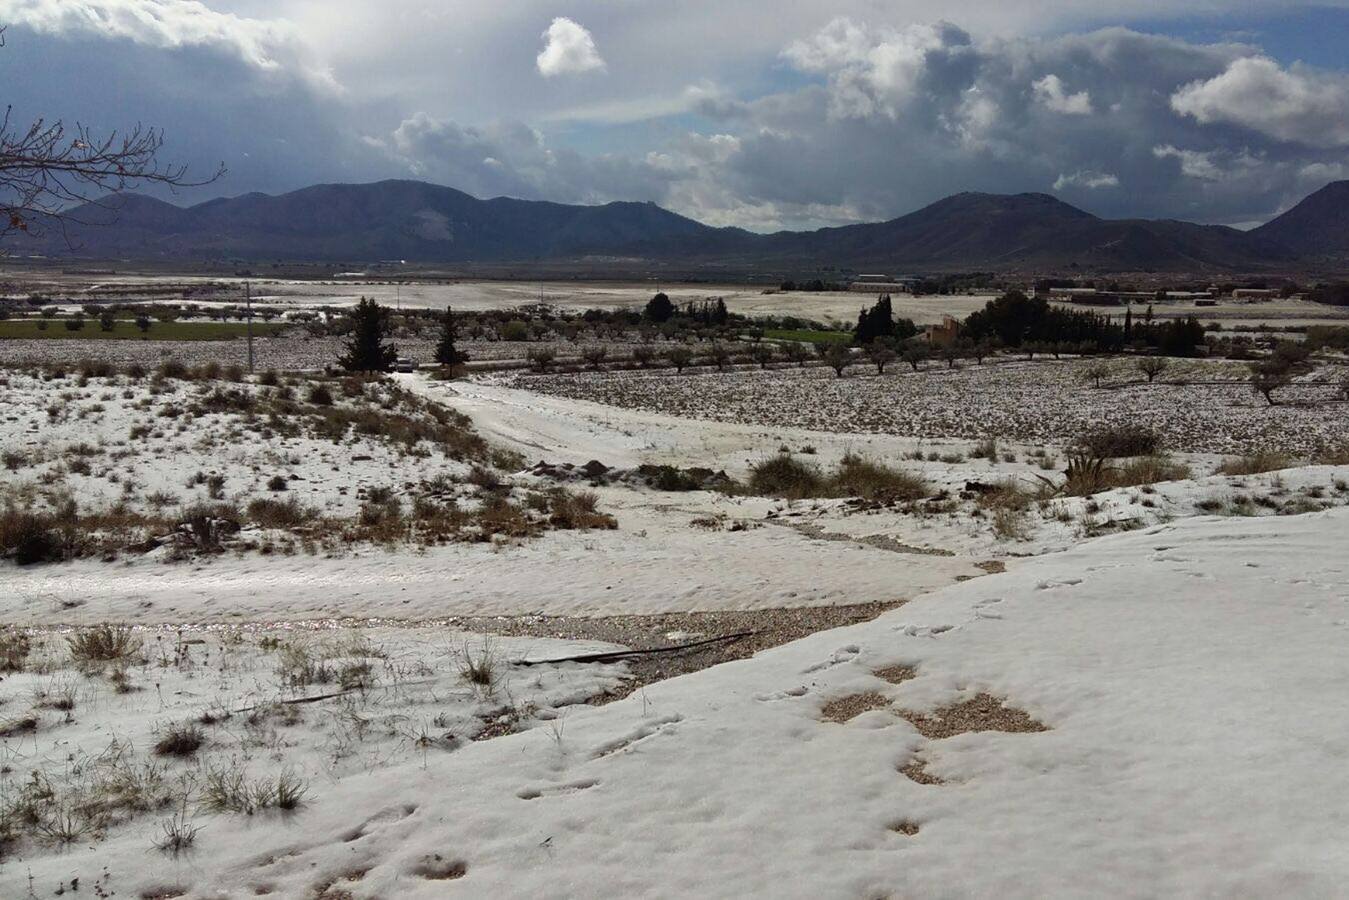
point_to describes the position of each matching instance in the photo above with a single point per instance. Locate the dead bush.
(269, 513)
(577, 511)
(104, 644)
(182, 739)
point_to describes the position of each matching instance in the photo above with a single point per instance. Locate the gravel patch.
(845, 709)
(983, 712)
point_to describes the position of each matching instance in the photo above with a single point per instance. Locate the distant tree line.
(1016, 320)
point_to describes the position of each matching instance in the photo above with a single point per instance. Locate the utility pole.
(248, 306)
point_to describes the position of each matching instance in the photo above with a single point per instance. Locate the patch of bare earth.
(766, 628)
(896, 674)
(982, 712)
(845, 709)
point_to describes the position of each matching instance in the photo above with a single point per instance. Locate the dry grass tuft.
(1256, 463)
(478, 668)
(103, 644)
(183, 739)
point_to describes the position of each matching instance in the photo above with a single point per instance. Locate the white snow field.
(1179, 733)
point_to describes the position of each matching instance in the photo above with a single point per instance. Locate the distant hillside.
(1000, 232)
(426, 223)
(1318, 226)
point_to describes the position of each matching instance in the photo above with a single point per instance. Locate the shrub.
(30, 537)
(1255, 463)
(785, 476)
(209, 524)
(14, 649)
(540, 358)
(515, 330)
(1150, 470)
(277, 483)
(172, 368)
(1008, 495)
(319, 395)
(104, 643)
(182, 739)
(577, 511)
(1115, 441)
(870, 480)
(270, 513)
(594, 356)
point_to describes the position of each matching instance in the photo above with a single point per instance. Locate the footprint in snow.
(930, 631)
(636, 736)
(1050, 585)
(837, 658)
(534, 792)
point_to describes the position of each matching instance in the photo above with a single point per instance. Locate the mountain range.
(431, 224)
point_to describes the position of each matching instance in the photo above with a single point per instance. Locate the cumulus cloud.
(1049, 91)
(568, 50)
(1211, 165)
(1297, 104)
(875, 70)
(816, 118)
(268, 45)
(1085, 178)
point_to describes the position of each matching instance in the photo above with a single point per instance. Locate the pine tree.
(447, 354)
(366, 351)
(659, 308)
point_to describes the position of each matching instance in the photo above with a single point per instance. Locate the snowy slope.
(1190, 677)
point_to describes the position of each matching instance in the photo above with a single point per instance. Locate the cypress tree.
(366, 351)
(447, 354)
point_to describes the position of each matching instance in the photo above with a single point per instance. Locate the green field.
(808, 336)
(126, 330)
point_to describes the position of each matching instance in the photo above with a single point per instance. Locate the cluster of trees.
(1016, 320)
(1335, 294)
(814, 286)
(660, 309)
(879, 324)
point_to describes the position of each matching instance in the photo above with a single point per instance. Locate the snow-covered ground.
(1045, 401)
(1120, 695)
(1177, 736)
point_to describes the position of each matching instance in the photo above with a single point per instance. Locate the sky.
(763, 114)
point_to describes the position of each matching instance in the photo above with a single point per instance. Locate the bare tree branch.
(47, 169)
